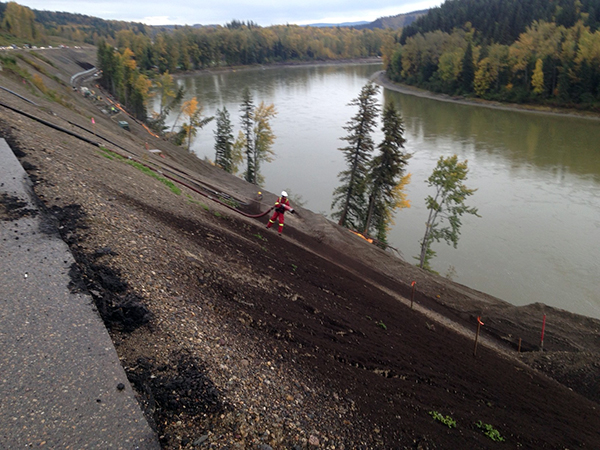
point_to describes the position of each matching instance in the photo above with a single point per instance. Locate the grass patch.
(153, 174)
(9, 64)
(112, 155)
(230, 202)
(196, 202)
(446, 420)
(259, 236)
(490, 431)
(50, 94)
(42, 58)
(107, 155)
(33, 64)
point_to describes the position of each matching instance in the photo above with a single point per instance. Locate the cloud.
(157, 20)
(263, 12)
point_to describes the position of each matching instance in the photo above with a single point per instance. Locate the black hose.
(19, 95)
(50, 124)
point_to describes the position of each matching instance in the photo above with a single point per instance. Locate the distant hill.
(21, 24)
(344, 24)
(395, 22)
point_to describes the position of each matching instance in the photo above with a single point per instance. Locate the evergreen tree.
(224, 141)
(386, 174)
(467, 74)
(247, 110)
(350, 196)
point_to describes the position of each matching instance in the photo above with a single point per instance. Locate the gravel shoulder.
(234, 337)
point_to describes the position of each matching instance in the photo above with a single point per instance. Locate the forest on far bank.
(521, 51)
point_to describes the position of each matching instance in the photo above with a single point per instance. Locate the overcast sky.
(263, 12)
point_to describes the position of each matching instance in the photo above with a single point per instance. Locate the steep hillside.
(235, 337)
(394, 22)
(502, 21)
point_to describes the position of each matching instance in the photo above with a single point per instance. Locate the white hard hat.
(283, 194)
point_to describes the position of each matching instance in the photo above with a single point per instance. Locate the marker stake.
(543, 329)
(479, 323)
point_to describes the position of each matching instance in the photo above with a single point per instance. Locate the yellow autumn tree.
(537, 79)
(20, 21)
(192, 110)
(263, 137)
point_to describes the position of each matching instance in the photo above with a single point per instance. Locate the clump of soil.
(175, 390)
(117, 305)
(12, 208)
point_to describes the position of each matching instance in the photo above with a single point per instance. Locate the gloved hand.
(292, 211)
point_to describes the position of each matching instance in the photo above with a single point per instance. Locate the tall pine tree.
(467, 74)
(386, 178)
(350, 196)
(247, 110)
(224, 142)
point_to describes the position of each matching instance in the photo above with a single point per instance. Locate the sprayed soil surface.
(235, 337)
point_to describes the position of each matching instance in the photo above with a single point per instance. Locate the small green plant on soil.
(153, 174)
(230, 202)
(218, 214)
(490, 431)
(381, 325)
(110, 155)
(446, 420)
(107, 155)
(294, 267)
(191, 200)
(259, 236)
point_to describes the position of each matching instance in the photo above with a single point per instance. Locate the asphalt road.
(61, 382)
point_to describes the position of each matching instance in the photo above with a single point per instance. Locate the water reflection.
(549, 142)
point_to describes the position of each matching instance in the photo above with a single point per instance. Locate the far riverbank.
(381, 79)
(279, 65)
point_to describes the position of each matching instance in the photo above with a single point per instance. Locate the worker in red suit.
(281, 206)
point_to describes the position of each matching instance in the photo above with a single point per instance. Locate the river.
(537, 176)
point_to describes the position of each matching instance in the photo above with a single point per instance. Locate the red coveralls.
(281, 206)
